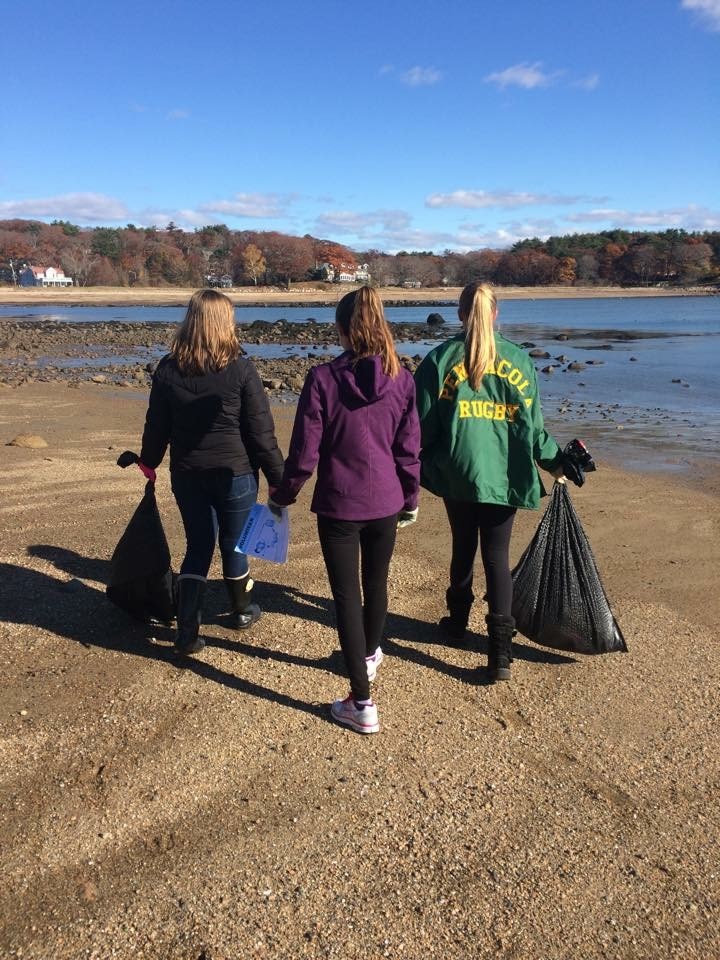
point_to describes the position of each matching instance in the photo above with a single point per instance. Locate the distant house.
(213, 280)
(44, 277)
(344, 273)
(362, 274)
(411, 284)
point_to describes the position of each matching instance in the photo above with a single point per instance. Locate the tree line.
(215, 254)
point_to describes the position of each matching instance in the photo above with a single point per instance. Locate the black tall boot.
(191, 595)
(501, 630)
(459, 601)
(245, 612)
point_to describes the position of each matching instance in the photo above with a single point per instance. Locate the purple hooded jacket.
(360, 428)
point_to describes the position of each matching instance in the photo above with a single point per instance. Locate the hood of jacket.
(360, 382)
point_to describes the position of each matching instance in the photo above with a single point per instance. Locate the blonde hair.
(360, 316)
(207, 339)
(477, 310)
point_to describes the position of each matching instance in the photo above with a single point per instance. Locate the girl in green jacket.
(482, 436)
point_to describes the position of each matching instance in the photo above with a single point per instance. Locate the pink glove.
(148, 472)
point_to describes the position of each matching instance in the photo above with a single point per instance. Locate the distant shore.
(312, 295)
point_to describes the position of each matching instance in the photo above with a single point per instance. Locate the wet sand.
(124, 354)
(320, 294)
(168, 811)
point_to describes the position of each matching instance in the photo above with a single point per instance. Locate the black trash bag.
(558, 599)
(141, 579)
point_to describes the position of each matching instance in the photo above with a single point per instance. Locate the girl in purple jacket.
(357, 423)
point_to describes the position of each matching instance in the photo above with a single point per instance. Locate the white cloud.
(589, 82)
(178, 115)
(486, 239)
(95, 207)
(542, 227)
(385, 69)
(690, 217)
(182, 218)
(392, 230)
(526, 75)
(250, 205)
(414, 239)
(359, 224)
(421, 76)
(481, 199)
(708, 11)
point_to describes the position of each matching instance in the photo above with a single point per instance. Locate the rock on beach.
(29, 440)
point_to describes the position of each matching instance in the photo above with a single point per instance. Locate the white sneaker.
(372, 663)
(360, 719)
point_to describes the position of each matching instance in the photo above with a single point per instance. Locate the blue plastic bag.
(265, 535)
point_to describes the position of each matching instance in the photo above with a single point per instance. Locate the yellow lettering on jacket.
(503, 369)
(515, 377)
(452, 381)
(487, 410)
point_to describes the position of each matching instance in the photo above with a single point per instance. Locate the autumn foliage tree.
(152, 256)
(248, 262)
(288, 258)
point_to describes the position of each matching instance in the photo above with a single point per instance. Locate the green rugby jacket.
(483, 446)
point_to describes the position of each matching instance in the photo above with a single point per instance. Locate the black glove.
(126, 458)
(576, 462)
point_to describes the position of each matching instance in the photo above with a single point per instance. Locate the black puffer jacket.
(214, 420)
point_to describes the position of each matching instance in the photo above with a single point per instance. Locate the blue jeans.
(212, 502)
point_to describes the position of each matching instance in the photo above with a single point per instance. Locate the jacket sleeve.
(156, 434)
(546, 451)
(406, 450)
(305, 442)
(257, 428)
(428, 392)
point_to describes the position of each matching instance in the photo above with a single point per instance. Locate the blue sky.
(392, 125)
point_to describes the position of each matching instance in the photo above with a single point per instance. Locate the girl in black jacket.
(208, 404)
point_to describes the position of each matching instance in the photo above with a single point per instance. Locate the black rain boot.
(245, 612)
(459, 601)
(190, 598)
(501, 630)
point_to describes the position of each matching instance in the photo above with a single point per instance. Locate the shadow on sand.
(78, 612)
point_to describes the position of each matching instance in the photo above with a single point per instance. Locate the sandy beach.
(209, 810)
(300, 294)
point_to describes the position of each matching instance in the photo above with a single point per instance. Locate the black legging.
(494, 524)
(355, 550)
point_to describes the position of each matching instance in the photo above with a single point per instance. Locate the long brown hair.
(207, 339)
(360, 316)
(477, 310)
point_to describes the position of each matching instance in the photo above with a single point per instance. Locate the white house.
(44, 277)
(344, 273)
(362, 274)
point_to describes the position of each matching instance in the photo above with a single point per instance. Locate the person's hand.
(406, 517)
(275, 509)
(577, 461)
(147, 472)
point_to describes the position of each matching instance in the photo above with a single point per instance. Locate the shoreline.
(122, 356)
(303, 295)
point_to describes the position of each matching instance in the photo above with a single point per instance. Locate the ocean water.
(650, 389)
